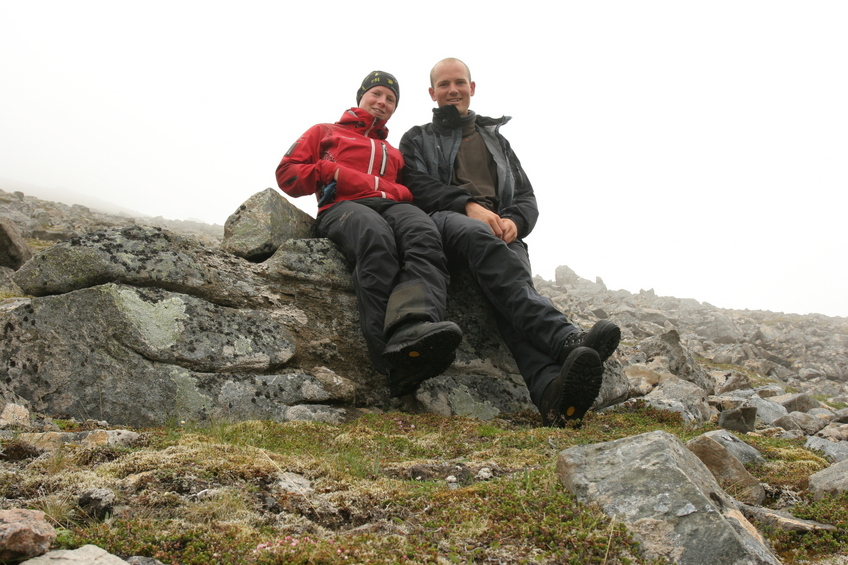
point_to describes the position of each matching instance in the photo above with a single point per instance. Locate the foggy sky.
(698, 149)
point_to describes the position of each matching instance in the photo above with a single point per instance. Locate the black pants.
(400, 272)
(532, 328)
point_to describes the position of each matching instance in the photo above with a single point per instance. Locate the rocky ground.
(459, 472)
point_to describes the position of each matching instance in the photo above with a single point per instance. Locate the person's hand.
(511, 231)
(504, 229)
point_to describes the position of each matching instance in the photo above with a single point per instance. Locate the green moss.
(796, 547)
(381, 494)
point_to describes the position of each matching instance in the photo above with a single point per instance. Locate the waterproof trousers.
(532, 328)
(399, 268)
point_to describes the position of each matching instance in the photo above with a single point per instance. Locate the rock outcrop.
(139, 325)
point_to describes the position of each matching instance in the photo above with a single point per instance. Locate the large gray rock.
(145, 256)
(833, 450)
(262, 224)
(741, 419)
(681, 361)
(664, 495)
(829, 482)
(809, 425)
(165, 298)
(680, 396)
(183, 331)
(742, 451)
(727, 469)
(719, 329)
(797, 402)
(767, 411)
(148, 355)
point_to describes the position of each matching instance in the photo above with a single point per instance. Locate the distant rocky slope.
(53, 221)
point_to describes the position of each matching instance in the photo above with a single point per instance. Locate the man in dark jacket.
(463, 172)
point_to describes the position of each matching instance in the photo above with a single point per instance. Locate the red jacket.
(355, 145)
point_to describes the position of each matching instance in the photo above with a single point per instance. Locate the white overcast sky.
(696, 148)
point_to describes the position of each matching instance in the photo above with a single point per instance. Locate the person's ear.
(473, 86)
(432, 93)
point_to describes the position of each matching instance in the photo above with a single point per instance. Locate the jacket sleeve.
(524, 210)
(302, 171)
(428, 193)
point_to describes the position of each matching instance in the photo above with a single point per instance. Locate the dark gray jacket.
(429, 152)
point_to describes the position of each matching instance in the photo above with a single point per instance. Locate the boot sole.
(582, 380)
(424, 351)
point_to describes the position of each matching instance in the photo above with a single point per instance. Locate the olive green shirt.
(475, 169)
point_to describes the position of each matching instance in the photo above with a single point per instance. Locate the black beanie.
(378, 78)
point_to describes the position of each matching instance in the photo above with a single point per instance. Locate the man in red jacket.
(399, 269)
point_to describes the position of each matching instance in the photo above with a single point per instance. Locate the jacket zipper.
(385, 158)
(371, 159)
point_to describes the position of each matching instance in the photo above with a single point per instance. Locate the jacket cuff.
(328, 170)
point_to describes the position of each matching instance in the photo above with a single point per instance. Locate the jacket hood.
(364, 123)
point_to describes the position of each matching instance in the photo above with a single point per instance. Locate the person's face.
(451, 85)
(379, 101)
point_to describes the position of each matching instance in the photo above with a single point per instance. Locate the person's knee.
(469, 233)
(364, 229)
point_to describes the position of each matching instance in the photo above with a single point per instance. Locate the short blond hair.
(448, 60)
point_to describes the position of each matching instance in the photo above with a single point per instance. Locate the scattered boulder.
(742, 419)
(834, 451)
(14, 250)
(745, 453)
(767, 411)
(684, 397)
(727, 469)
(680, 361)
(798, 402)
(24, 534)
(666, 497)
(829, 482)
(96, 504)
(809, 425)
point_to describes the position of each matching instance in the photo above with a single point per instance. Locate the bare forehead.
(450, 71)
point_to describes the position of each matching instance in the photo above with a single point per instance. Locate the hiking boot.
(573, 392)
(403, 381)
(421, 344)
(603, 338)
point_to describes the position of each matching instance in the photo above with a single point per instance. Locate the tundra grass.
(385, 488)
